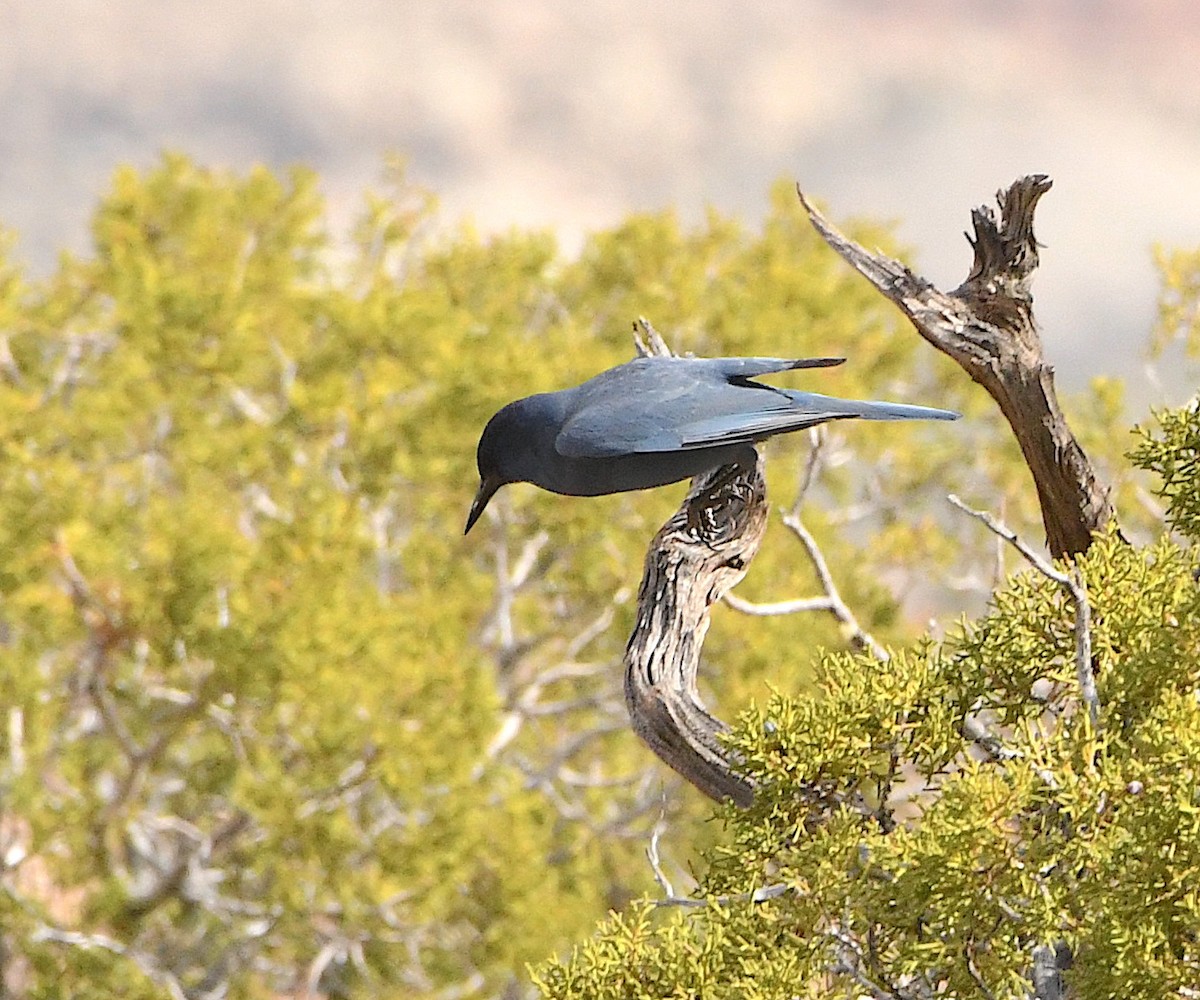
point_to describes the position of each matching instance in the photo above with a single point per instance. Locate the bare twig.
(832, 600)
(760, 895)
(817, 437)
(1073, 583)
(652, 853)
(8, 364)
(773, 609)
(647, 341)
(526, 703)
(512, 575)
(859, 637)
(850, 962)
(87, 942)
(16, 739)
(973, 972)
(992, 747)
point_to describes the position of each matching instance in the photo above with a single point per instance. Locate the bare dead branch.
(986, 325)
(858, 636)
(775, 609)
(702, 551)
(1073, 584)
(87, 942)
(171, 880)
(831, 600)
(660, 876)
(510, 581)
(648, 341)
(818, 437)
(759, 895)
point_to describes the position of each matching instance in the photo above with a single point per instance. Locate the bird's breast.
(636, 471)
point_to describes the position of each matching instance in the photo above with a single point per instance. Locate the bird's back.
(658, 405)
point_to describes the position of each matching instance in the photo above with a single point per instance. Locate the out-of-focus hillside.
(569, 115)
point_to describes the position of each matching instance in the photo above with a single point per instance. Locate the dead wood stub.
(986, 325)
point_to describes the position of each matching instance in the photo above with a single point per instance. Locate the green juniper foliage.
(1174, 454)
(911, 857)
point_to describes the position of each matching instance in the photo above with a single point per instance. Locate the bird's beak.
(487, 489)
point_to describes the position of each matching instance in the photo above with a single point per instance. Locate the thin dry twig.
(859, 637)
(1073, 584)
(774, 609)
(660, 876)
(831, 601)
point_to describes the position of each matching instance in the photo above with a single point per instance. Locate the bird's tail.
(873, 410)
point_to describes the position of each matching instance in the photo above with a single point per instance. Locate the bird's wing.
(744, 368)
(736, 416)
(661, 404)
(746, 427)
(597, 434)
(697, 406)
(804, 409)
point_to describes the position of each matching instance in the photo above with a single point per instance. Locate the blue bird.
(654, 421)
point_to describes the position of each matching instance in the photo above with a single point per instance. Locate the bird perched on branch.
(653, 421)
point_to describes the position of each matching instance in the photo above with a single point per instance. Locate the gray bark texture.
(986, 325)
(695, 558)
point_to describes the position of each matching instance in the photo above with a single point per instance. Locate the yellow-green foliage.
(894, 835)
(261, 696)
(1174, 454)
(202, 629)
(1178, 316)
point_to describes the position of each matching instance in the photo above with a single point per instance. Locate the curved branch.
(986, 325)
(698, 555)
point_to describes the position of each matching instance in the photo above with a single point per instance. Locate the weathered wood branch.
(698, 555)
(987, 326)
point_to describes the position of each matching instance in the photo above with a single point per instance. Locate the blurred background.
(569, 116)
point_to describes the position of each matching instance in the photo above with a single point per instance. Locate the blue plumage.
(654, 421)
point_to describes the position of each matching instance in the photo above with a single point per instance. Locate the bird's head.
(507, 451)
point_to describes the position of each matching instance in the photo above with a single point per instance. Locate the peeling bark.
(987, 326)
(695, 558)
